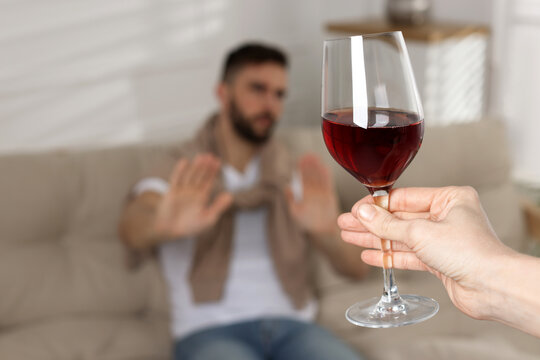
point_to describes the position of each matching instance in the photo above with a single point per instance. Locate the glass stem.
(390, 293)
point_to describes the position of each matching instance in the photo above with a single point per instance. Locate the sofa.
(66, 293)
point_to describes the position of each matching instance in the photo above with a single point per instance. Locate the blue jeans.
(271, 338)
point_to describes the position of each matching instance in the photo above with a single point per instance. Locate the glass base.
(401, 311)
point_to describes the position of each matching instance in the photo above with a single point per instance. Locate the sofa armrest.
(532, 219)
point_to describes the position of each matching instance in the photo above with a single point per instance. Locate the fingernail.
(366, 212)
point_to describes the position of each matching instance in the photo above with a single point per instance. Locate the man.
(233, 231)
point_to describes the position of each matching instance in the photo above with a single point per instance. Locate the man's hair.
(251, 54)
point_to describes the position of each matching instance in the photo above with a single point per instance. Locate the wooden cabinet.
(449, 62)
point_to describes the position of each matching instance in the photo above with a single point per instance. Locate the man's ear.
(222, 93)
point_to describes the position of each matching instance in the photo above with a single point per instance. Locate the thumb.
(289, 194)
(383, 224)
(291, 201)
(220, 204)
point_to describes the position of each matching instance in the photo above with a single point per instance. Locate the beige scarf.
(287, 243)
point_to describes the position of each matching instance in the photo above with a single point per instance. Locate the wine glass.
(373, 125)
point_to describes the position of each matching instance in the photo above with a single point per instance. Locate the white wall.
(103, 72)
(517, 95)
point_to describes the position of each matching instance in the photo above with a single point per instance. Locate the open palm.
(185, 209)
(317, 210)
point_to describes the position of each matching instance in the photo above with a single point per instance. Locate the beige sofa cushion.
(59, 251)
(474, 154)
(38, 194)
(71, 277)
(104, 337)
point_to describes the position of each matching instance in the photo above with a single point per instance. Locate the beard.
(244, 126)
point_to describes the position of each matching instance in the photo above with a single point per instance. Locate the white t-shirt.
(252, 289)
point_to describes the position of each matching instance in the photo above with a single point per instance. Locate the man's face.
(254, 100)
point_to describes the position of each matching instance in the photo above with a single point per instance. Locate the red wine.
(376, 156)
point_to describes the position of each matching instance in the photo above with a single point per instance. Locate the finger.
(309, 179)
(368, 199)
(220, 204)
(408, 199)
(324, 175)
(400, 260)
(403, 215)
(177, 172)
(387, 226)
(370, 241)
(315, 170)
(320, 173)
(414, 199)
(291, 201)
(203, 170)
(350, 222)
(210, 178)
(186, 175)
(193, 173)
(211, 169)
(289, 195)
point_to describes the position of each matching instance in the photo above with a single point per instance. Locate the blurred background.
(81, 74)
(109, 72)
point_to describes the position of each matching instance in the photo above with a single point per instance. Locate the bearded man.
(233, 224)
